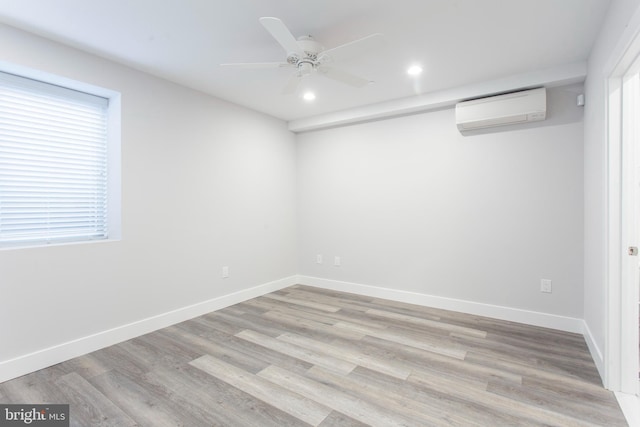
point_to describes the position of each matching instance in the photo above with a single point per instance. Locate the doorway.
(630, 226)
(622, 371)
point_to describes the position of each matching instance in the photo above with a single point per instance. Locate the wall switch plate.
(336, 261)
(545, 286)
(225, 272)
(319, 259)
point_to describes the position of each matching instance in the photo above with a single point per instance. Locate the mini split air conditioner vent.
(515, 107)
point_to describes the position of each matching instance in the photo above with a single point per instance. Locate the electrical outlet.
(545, 286)
(225, 272)
(336, 261)
(319, 259)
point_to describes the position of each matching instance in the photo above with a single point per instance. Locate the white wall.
(205, 183)
(410, 204)
(595, 161)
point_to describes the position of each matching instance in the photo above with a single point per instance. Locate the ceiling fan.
(308, 56)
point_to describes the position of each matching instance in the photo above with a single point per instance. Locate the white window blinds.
(53, 163)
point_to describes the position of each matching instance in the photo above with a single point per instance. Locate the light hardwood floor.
(306, 356)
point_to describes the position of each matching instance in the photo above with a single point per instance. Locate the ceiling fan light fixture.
(309, 96)
(305, 68)
(414, 70)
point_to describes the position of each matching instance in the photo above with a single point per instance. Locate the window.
(53, 164)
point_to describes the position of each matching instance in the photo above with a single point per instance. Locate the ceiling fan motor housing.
(309, 62)
(309, 45)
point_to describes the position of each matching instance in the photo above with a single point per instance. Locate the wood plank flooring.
(306, 356)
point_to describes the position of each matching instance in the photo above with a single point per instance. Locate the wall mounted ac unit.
(517, 107)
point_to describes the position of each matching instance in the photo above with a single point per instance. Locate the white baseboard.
(563, 323)
(27, 363)
(595, 351)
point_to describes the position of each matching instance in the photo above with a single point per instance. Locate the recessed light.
(414, 70)
(309, 96)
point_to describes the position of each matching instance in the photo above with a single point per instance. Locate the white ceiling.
(458, 42)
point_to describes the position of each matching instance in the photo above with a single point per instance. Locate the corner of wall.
(594, 349)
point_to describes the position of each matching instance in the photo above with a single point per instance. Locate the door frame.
(621, 338)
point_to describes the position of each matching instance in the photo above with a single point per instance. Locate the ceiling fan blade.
(257, 65)
(281, 33)
(352, 49)
(343, 76)
(292, 85)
